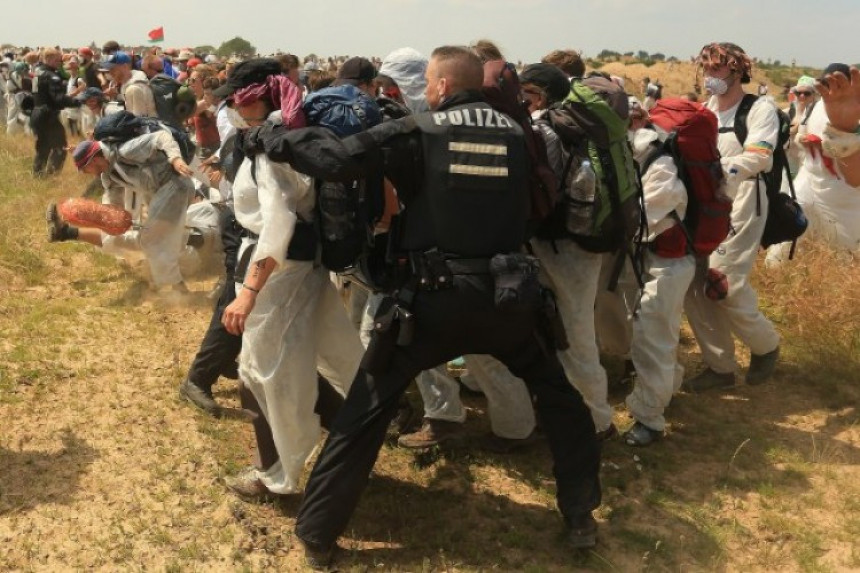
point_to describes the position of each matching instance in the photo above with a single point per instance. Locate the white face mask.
(236, 120)
(716, 86)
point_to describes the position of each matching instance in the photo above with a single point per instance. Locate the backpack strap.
(740, 123)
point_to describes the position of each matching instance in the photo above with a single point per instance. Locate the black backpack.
(122, 126)
(347, 212)
(173, 106)
(785, 218)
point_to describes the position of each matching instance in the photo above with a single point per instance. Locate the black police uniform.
(461, 172)
(49, 99)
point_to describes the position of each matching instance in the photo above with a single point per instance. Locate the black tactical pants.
(451, 323)
(219, 349)
(50, 142)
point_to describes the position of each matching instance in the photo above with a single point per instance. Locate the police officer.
(460, 171)
(49, 98)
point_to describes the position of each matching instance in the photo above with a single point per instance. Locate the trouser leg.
(43, 150)
(568, 427)
(509, 403)
(656, 332)
(574, 275)
(162, 235)
(219, 349)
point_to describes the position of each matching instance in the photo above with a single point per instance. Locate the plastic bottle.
(581, 205)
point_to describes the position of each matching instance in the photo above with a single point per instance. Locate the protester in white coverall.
(292, 320)
(726, 68)
(150, 169)
(657, 327)
(574, 274)
(840, 93)
(830, 204)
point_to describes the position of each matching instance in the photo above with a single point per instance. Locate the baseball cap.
(246, 73)
(185, 55)
(115, 59)
(84, 153)
(85, 52)
(194, 62)
(355, 71)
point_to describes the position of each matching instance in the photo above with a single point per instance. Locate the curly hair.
(727, 54)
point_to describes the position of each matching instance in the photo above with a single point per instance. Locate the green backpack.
(592, 124)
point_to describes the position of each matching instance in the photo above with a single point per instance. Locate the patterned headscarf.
(281, 92)
(727, 54)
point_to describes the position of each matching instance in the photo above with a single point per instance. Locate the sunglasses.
(803, 93)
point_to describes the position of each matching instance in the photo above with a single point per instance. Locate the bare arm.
(237, 311)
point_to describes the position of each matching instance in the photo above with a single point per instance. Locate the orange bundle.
(81, 212)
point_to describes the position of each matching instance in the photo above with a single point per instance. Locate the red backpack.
(502, 91)
(692, 144)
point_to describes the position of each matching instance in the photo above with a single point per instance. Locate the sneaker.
(641, 435)
(762, 367)
(200, 397)
(607, 434)
(317, 557)
(581, 532)
(247, 485)
(500, 445)
(432, 433)
(708, 380)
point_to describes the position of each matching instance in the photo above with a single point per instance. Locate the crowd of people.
(238, 163)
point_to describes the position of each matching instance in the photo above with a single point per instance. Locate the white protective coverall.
(657, 326)
(712, 322)
(141, 169)
(298, 324)
(201, 216)
(831, 205)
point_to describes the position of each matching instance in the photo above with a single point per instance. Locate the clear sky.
(812, 32)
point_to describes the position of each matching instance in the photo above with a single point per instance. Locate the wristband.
(840, 144)
(252, 289)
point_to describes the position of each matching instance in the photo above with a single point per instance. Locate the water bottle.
(580, 192)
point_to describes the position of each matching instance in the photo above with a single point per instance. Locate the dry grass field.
(103, 468)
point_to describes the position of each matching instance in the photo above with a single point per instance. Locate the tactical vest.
(473, 200)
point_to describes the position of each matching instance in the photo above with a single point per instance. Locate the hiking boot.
(641, 435)
(500, 445)
(708, 380)
(607, 434)
(432, 433)
(317, 557)
(58, 230)
(762, 367)
(247, 485)
(581, 532)
(200, 397)
(405, 420)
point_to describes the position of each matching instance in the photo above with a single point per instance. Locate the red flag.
(157, 35)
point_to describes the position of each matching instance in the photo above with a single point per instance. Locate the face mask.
(716, 86)
(236, 120)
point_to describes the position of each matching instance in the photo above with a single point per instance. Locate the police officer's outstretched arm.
(318, 152)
